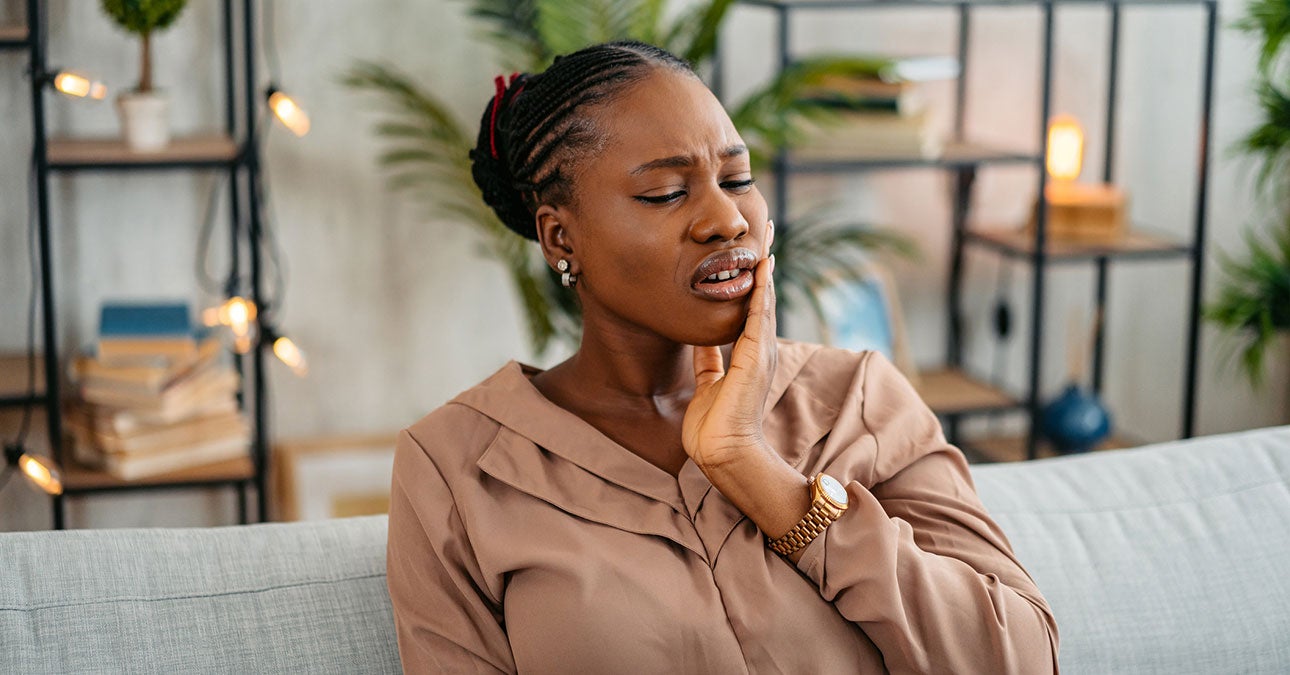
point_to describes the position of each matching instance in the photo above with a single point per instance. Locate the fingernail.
(772, 262)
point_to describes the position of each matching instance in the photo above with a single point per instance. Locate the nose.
(718, 219)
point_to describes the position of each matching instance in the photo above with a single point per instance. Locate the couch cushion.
(301, 597)
(1165, 559)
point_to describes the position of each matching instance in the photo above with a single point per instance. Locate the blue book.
(157, 320)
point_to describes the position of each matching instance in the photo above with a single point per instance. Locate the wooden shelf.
(78, 478)
(954, 155)
(108, 153)
(13, 375)
(1133, 244)
(952, 392)
(1013, 449)
(13, 36)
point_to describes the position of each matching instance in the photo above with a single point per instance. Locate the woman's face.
(663, 214)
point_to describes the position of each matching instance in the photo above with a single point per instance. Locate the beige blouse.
(523, 539)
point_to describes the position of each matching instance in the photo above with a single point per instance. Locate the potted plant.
(145, 113)
(1254, 300)
(427, 152)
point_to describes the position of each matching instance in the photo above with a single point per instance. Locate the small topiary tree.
(143, 17)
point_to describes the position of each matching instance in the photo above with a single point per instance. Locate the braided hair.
(538, 126)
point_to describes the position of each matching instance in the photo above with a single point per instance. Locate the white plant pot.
(145, 120)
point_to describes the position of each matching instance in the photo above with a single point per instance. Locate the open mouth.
(725, 275)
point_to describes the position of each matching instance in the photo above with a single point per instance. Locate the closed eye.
(662, 199)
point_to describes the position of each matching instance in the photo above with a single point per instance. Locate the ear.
(554, 235)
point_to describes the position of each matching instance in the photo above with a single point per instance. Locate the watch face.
(833, 489)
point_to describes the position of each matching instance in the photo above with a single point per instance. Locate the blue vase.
(1076, 421)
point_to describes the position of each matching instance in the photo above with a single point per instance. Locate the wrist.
(763, 486)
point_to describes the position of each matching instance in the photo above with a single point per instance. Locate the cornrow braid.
(538, 126)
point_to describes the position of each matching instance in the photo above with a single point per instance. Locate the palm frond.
(1270, 141)
(1270, 19)
(773, 116)
(511, 25)
(426, 156)
(813, 253)
(569, 26)
(693, 35)
(1254, 301)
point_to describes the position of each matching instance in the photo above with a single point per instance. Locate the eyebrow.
(681, 161)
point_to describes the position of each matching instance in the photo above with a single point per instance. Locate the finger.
(709, 367)
(755, 349)
(770, 236)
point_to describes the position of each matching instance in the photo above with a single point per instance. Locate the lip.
(742, 259)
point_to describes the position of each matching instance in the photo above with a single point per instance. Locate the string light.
(79, 86)
(40, 471)
(288, 112)
(290, 354)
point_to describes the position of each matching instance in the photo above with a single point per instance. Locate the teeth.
(722, 276)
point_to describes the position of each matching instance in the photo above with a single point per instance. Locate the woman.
(643, 508)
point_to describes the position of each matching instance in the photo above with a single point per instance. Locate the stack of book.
(153, 396)
(879, 111)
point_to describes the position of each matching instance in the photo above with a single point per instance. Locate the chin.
(716, 331)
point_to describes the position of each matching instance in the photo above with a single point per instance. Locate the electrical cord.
(209, 282)
(270, 39)
(1001, 318)
(33, 263)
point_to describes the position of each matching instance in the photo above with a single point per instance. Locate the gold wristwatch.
(828, 501)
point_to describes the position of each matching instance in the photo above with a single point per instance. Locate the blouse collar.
(602, 480)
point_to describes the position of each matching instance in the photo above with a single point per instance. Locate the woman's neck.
(631, 365)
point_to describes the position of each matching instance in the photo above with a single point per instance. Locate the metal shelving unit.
(233, 150)
(954, 392)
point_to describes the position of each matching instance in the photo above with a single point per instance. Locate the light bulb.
(1065, 148)
(288, 112)
(290, 354)
(210, 317)
(42, 472)
(79, 86)
(238, 314)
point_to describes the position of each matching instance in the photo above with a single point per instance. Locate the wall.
(397, 310)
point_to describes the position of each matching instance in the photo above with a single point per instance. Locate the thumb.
(709, 366)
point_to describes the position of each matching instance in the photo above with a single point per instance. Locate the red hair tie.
(497, 101)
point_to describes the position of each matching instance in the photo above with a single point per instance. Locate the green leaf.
(512, 26)
(812, 253)
(774, 115)
(698, 39)
(566, 26)
(1270, 20)
(143, 16)
(1253, 302)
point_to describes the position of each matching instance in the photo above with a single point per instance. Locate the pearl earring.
(566, 279)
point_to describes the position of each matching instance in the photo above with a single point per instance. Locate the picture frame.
(864, 313)
(332, 477)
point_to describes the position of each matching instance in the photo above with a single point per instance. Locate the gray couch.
(1173, 558)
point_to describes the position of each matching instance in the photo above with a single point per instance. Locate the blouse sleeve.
(443, 617)
(916, 561)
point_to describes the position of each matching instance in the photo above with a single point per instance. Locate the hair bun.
(495, 180)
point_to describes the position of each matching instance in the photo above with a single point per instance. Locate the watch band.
(824, 510)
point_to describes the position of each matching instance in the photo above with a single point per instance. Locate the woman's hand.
(725, 416)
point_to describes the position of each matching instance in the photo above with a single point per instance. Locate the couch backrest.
(1173, 558)
(275, 598)
(1168, 559)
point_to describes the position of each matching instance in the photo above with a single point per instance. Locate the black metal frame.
(965, 170)
(242, 168)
